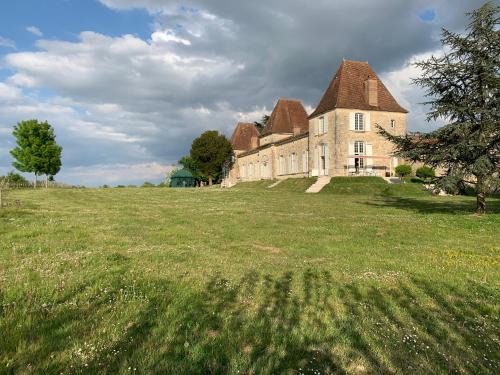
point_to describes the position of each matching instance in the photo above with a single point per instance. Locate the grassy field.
(362, 278)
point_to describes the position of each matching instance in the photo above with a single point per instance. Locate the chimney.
(254, 143)
(296, 130)
(371, 91)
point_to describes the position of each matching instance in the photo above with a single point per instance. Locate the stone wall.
(339, 137)
(264, 162)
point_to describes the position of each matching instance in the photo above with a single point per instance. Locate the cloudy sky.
(128, 84)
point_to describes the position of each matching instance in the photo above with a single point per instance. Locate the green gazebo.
(182, 178)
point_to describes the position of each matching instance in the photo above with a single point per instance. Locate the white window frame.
(359, 122)
(321, 125)
(361, 163)
(359, 148)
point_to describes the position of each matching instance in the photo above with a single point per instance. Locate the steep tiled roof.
(287, 114)
(242, 136)
(347, 90)
(281, 142)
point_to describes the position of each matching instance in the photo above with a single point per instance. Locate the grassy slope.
(249, 279)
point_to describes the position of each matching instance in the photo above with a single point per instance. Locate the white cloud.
(34, 30)
(4, 42)
(168, 36)
(9, 93)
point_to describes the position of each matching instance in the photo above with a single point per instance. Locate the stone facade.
(339, 138)
(339, 149)
(282, 159)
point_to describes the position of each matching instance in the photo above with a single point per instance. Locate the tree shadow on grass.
(304, 323)
(441, 205)
(312, 324)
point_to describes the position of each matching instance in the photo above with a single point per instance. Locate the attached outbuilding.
(182, 178)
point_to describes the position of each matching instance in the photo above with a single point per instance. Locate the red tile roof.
(287, 115)
(242, 136)
(347, 90)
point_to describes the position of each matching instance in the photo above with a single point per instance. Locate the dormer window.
(359, 122)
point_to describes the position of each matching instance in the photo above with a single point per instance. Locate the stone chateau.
(338, 139)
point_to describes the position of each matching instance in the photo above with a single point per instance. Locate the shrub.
(148, 184)
(416, 180)
(14, 178)
(403, 170)
(425, 172)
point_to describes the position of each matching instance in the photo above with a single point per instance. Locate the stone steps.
(392, 180)
(319, 184)
(275, 183)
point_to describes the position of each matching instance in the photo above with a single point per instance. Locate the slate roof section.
(347, 90)
(287, 114)
(242, 136)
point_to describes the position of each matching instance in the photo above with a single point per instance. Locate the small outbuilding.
(182, 178)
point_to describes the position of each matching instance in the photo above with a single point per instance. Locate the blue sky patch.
(58, 19)
(427, 15)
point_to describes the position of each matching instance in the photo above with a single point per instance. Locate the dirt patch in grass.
(270, 249)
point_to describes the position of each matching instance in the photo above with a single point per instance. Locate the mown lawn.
(357, 279)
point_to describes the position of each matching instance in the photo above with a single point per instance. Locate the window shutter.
(351, 120)
(326, 124)
(350, 161)
(315, 161)
(327, 160)
(369, 161)
(368, 126)
(350, 165)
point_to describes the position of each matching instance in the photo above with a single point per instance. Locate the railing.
(6, 186)
(363, 173)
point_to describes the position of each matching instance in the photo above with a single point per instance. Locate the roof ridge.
(288, 114)
(338, 76)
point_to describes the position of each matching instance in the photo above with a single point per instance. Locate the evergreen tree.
(463, 87)
(37, 151)
(210, 151)
(260, 125)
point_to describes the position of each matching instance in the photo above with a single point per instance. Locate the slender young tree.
(463, 87)
(37, 151)
(210, 151)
